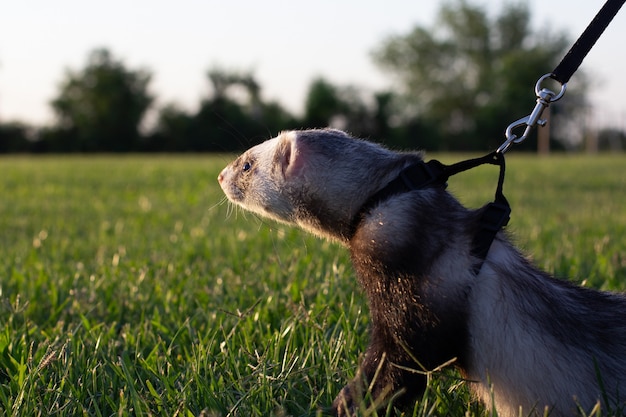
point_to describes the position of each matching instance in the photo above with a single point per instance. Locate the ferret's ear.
(289, 155)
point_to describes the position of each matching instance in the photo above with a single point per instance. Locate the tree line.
(458, 84)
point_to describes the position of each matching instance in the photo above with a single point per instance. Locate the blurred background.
(217, 76)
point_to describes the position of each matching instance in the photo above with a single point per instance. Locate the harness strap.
(494, 216)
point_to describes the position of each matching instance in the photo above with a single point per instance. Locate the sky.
(285, 44)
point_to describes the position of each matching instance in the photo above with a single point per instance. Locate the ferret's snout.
(220, 177)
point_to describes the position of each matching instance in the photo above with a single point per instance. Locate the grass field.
(126, 288)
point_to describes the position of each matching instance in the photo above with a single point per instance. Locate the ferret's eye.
(246, 166)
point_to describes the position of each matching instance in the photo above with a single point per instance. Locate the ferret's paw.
(344, 406)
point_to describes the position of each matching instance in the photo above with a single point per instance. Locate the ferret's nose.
(220, 177)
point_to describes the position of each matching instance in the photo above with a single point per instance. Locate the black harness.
(434, 174)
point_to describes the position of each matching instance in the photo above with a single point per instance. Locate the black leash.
(574, 57)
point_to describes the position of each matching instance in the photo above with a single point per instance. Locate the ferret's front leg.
(382, 377)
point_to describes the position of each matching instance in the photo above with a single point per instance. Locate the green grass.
(126, 288)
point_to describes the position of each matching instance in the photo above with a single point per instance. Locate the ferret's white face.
(257, 178)
(316, 179)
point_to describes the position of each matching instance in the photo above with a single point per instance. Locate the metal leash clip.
(544, 98)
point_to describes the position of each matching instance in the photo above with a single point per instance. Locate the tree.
(231, 118)
(235, 116)
(348, 108)
(100, 108)
(321, 104)
(172, 131)
(14, 137)
(470, 75)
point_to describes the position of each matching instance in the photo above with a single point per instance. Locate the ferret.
(522, 339)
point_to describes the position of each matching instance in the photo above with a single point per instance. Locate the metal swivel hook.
(544, 98)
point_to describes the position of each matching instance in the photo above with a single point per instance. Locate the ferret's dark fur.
(525, 339)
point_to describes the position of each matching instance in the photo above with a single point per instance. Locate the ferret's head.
(316, 179)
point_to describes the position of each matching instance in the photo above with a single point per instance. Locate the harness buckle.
(420, 175)
(495, 216)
